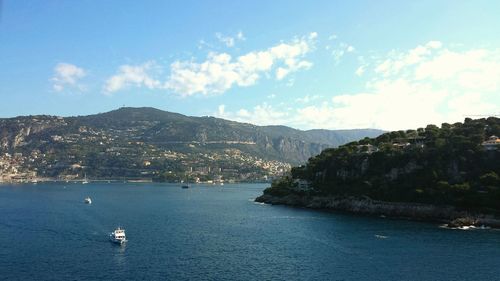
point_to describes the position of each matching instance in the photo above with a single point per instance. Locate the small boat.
(87, 200)
(118, 236)
(85, 181)
(185, 186)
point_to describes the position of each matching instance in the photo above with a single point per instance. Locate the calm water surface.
(218, 233)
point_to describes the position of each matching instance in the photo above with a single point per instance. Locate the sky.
(388, 65)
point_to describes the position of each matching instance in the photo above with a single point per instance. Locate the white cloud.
(240, 36)
(128, 75)
(397, 61)
(220, 71)
(263, 114)
(389, 104)
(342, 49)
(203, 44)
(230, 41)
(227, 40)
(474, 69)
(429, 84)
(360, 70)
(308, 98)
(67, 75)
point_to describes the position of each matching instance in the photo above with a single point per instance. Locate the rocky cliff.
(450, 215)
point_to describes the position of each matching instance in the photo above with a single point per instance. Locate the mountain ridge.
(158, 132)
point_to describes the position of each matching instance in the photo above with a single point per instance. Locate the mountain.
(131, 141)
(454, 169)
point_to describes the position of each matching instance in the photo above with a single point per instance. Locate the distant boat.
(118, 236)
(185, 183)
(85, 181)
(87, 200)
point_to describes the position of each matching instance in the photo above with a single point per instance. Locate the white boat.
(118, 236)
(85, 181)
(87, 200)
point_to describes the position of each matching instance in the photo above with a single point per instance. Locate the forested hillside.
(455, 164)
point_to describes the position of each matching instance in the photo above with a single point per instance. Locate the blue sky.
(305, 64)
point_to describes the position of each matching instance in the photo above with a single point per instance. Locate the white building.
(302, 184)
(492, 143)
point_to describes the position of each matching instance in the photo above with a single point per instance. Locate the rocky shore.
(366, 206)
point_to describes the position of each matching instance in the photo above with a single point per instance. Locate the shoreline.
(76, 181)
(449, 215)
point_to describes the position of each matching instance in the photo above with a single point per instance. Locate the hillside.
(455, 165)
(147, 142)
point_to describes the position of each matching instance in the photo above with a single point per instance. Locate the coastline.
(448, 215)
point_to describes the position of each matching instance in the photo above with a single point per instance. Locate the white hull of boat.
(117, 241)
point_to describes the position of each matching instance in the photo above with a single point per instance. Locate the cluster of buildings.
(13, 169)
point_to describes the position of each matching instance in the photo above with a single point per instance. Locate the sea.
(213, 232)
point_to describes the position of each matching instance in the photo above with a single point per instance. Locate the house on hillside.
(302, 184)
(401, 144)
(493, 143)
(367, 148)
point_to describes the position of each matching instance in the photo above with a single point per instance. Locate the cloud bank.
(220, 71)
(404, 89)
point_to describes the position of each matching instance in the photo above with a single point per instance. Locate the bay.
(211, 232)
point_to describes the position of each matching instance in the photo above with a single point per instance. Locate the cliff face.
(367, 206)
(16, 132)
(299, 149)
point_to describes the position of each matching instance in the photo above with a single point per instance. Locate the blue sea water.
(218, 233)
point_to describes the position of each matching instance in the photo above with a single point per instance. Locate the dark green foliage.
(446, 165)
(281, 187)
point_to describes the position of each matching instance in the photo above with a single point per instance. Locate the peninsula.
(448, 173)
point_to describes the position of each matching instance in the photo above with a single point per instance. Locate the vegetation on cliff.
(455, 164)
